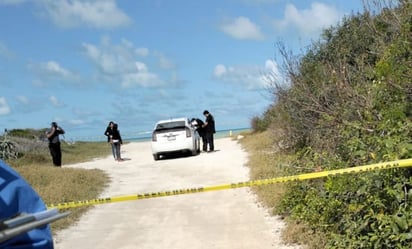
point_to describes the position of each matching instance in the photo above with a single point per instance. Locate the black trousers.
(204, 142)
(209, 141)
(56, 153)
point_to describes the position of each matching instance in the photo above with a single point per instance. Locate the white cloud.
(53, 67)
(111, 59)
(141, 67)
(118, 63)
(308, 21)
(249, 77)
(91, 13)
(272, 74)
(4, 107)
(55, 102)
(243, 29)
(142, 52)
(51, 72)
(272, 67)
(220, 70)
(142, 77)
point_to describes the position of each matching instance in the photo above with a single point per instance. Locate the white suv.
(174, 136)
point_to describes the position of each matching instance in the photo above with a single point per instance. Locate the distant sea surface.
(218, 134)
(147, 136)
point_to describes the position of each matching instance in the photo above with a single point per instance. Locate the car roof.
(172, 120)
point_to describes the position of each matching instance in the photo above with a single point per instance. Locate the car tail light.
(188, 133)
(154, 137)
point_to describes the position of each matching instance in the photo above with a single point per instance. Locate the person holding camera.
(54, 143)
(209, 127)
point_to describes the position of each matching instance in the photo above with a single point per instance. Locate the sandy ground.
(219, 219)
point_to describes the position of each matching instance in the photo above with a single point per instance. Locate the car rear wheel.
(156, 157)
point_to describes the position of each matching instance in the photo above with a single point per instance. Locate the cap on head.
(205, 112)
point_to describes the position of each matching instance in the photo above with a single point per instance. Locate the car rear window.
(170, 125)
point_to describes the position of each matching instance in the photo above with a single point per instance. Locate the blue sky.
(83, 63)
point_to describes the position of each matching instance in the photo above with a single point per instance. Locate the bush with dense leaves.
(349, 104)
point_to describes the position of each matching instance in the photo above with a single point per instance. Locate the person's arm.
(60, 130)
(120, 138)
(205, 123)
(51, 132)
(107, 132)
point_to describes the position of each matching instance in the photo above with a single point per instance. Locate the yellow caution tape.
(358, 169)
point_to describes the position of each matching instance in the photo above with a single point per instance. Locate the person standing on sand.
(198, 123)
(109, 134)
(117, 142)
(209, 127)
(54, 143)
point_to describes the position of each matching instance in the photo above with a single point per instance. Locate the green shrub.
(349, 104)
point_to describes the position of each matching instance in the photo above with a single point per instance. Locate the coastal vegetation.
(346, 102)
(26, 151)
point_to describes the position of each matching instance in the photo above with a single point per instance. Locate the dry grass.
(56, 185)
(300, 234)
(266, 162)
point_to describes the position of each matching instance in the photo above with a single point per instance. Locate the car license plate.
(171, 138)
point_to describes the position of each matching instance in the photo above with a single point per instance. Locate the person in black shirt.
(198, 123)
(209, 127)
(109, 134)
(117, 142)
(54, 143)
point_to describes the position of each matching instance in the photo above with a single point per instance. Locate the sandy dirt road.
(220, 219)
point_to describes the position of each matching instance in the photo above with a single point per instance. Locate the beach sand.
(217, 219)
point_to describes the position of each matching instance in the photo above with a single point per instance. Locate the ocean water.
(147, 136)
(218, 134)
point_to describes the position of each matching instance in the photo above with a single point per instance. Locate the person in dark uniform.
(54, 143)
(109, 134)
(198, 123)
(117, 142)
(209, 127)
